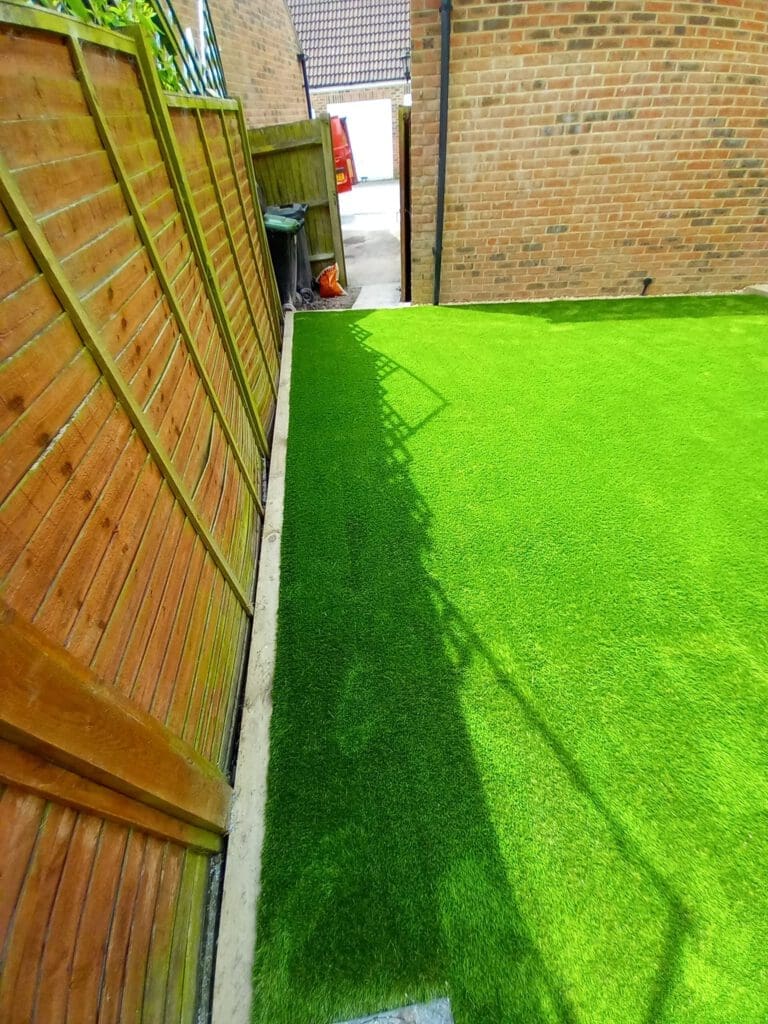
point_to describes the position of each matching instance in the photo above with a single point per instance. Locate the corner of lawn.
(518, 750)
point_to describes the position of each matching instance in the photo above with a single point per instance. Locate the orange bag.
(329, 282)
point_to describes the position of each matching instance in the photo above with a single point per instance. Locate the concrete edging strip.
(236, 941)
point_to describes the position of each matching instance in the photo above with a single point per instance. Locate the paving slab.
(378, 296)
(370, 223)
(436, 1012)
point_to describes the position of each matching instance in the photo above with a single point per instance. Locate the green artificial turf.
(519, 748)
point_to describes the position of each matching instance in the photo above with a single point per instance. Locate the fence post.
(333, 196)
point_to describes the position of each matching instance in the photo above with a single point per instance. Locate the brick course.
(258, 50)
(593, 143)
(354, 94)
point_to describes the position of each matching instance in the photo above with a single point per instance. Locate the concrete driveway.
(370, 224)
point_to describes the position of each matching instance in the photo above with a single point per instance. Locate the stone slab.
(378, 296)
(436, 1012)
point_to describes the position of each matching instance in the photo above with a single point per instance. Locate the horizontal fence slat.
(60, 710)
(283, 145)
(200, 102)
(49, 21)
(34, 774)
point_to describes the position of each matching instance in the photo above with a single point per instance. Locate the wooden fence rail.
(293, 163)
(140, 347)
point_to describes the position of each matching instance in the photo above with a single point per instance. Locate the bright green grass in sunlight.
(519, 749)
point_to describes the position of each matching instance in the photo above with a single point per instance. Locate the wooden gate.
(293, 163)
(139, 338)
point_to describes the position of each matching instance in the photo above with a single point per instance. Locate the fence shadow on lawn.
(381, 857)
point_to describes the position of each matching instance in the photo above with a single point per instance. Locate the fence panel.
(293, 163)
(208, 140)
(140, 349)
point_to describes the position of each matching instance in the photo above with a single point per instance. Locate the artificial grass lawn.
(519, 747)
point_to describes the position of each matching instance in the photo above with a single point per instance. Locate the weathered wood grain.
(32, 575)
(84, 993)
(139, 345)
(68, 588)
(26, 934)
(25, 375)
(20, 819)
(190, 131)
(159, 957)
(32, 774)
(31, 501)
(187, 924)
(36, 428)
(126, 900)
(144, 913)
(60, 933)
(56, 708)
(25, 313)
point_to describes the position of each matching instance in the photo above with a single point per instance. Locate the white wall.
(370, 133)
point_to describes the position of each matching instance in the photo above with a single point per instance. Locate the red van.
(343, 161)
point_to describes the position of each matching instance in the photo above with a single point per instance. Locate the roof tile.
(353, 42)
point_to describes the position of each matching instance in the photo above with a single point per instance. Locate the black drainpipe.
(302, 59)
(442, 140)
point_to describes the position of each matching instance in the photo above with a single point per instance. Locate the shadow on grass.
(575, 311)
(467, 645)
(383, 882)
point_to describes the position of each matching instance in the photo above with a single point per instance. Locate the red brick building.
(592, 144)
(259, 51)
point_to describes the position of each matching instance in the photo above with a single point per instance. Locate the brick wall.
(258, 49)
(396, 93)
(593, 143)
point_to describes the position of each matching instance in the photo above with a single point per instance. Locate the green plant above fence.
(179, 66)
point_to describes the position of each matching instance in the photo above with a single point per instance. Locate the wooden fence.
(293, 163)
(139, 339)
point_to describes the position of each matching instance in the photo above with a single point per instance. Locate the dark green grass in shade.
(519, 749)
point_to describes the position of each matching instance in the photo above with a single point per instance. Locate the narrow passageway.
(370, 223)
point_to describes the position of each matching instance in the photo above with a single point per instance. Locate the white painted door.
(370, 133)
